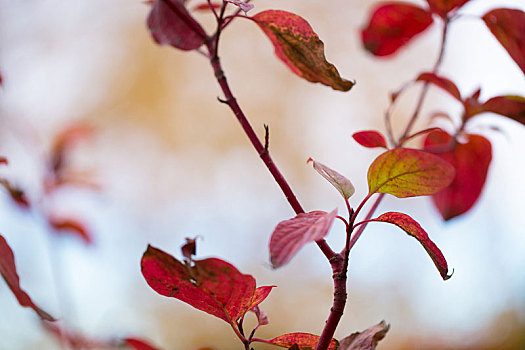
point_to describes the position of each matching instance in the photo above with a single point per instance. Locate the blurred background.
(171, 162)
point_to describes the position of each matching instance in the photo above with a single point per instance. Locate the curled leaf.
(304, 341)
(189, 248)
(405, 172)
(443, 83)
(370, 139)
(510, 106)
(471, 161)
(171, 24)
(10, 276)
(393, 25)
(367, 339)
(242, 5)
(508, 26)
(412, 227)
(291, 235)
(210, 285)
(299, 47)
(341, 183)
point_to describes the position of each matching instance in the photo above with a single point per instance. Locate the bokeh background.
(171, 162)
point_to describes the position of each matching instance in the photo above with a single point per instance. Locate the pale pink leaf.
(341, 183)
(291, 235)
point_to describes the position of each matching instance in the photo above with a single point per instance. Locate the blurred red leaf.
(370, 139)
(392, 25)
(508, 26)
(291, 235)
(411, 226)
(3, 160)
(509, 106)
(74, 340)
(64, 141)
(262, 318)
(8, 272)
(443, 7)
(341, 183)
(304, 341)
(171, 24)
(441, 82)
(138, 344)
(365, 340)
(471, 161)
(299, 47)
(405, 172)
(210, 285)
(17, 195)
(71, 226)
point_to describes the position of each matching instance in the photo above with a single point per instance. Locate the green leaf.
(405, 172)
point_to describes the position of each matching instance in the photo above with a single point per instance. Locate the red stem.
(259, 148)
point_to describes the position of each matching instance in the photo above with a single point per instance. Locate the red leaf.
(210, 285)
(509, 106)
(471, 161)
(305, 341)
(370, 139)
(17, 195)
(508, 26)
(3, 160)
(392, 25)
(366, 340)
(138, 344)
(189, 248)
(262, 318)
(441, 82)
(171, 24)
(260, 294)
(72, 226)
(8, 272)
(410, 226)
(443, 7)
(341, 183)
(297, 45)
(405, 172)
(291, 235)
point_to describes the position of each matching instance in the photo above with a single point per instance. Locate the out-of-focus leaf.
(508, 26)
(3, 160)
(471, 161)
(138, 344)
(17, 195)
(171, 24)
(443, 83)
(210, 285)
(392, 25)
(299, 47)
(341, 183)
(365, 340)
(412, 227)
(305, 341)
(291, 235)
(370, 139)
(70, 226)
(444, 7)
(509, 106)
(405, 172)
(10, 276)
